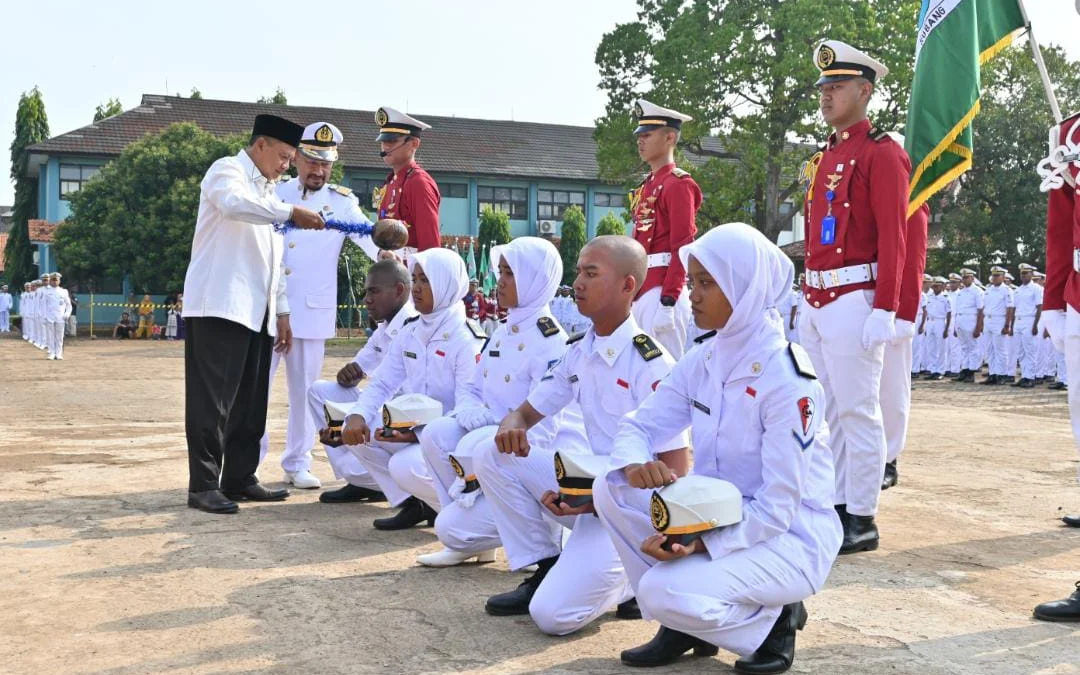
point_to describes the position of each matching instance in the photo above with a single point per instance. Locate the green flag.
(470, 262)
(955, 38)
(483, 279)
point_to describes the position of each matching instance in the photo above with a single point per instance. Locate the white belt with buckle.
(841, 276)
(659, 260)
(1076, 259)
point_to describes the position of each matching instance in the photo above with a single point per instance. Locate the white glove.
(1053, 320)
(880, 327)
(475, 417)
(904, 330)
(664, 319)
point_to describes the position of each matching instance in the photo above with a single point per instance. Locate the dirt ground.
(103, 569)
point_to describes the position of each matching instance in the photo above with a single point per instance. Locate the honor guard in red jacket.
(1061, 296)
(663, 209)
(410, 194)
(855, 253)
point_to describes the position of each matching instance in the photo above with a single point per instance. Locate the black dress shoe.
(1071, 521)
(1025, 383)
(1058, 386)
(1061, 610)
(990, 379)
(891, 476)
(841, 510)
(962, 377)
(628, 610)
(516, 602)
(666, 647)
(970, 377)
(777, 652)
(211, 501)
(413, 512)
(860, 534)
(257, 493)
(936, 376)
(351, 493)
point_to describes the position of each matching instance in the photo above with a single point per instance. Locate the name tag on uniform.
(702, 407)
(828, 230)
(493, 353)
(573, 378)
(410, 355)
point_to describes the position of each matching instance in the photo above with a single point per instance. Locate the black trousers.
(227, 386)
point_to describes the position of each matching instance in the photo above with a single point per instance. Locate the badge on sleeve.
(806, 418)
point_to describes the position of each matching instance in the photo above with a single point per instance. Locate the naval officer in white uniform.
(311, 263)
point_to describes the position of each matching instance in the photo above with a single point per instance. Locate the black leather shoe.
(257, 493)
(777, 652)
(970, 377)
(351, 493)
(962, 377)
(1071, 521)
(1060, 610)
(936, 376)
(891, 476)
(628, 610)
(413, 512)
(860, 534)
(516, 602)
(1058, 386)
(841, 510)
(990, 380)
(211, 501)
(1025, 383)
(666, 647)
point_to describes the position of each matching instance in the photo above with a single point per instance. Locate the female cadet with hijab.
(516, 355)
(750, 398)
(434, 356)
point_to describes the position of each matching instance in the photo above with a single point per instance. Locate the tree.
(278, 97)
(31, 126)
(743, 70)
(108, 109)
(571, 241)
(998, 215)
(137, 216)
(196, 94)
(610, 224)
(494, 227)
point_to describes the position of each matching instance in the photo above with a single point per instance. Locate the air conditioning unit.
(547, 227)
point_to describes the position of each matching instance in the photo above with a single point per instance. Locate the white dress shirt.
(236, 269)
(373, 352)
(1028, 298)
(997, 301)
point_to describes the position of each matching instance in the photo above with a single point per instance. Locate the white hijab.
(537, 269)
(753, 273)
(449, 282)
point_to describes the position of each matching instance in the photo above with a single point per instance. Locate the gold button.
(521, 347)
(506, 377)
(288, 271)
(513, 329)
(845, 136)
(839, 250)
(847, 205)
(807, 296)
(292, 244)
(852, 162)
(446, 336)
(755, 368)
(817, 304)
(610, 352)
(832, 295)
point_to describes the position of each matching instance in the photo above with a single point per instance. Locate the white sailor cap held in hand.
(839, 61)
(693, 505)
(395, 124)
(651, 117)
(410, 411)
(575, 474)
(320, 141)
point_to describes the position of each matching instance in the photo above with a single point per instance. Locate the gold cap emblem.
(560, 470)
(385, 416)
(458, 469)
(324, 134)
(659, 512)
(825, 57)
(381, 118)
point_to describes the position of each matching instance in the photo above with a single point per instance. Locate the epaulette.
(547, 326)
(646, 347)
(679, 173)
(575, 337)
(878, 135)
(475, 329)
(406, 322)
(801, 360)
(702, 338)
(340, 189)
(484, 346)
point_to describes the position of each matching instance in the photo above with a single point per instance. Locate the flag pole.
(1037, 53)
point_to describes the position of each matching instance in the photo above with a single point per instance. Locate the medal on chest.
(644, 208)
(377, 196)
(828, 223)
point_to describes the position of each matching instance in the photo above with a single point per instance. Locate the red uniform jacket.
(868, 173)
(412, 197)
(663, 209)
(914, 265)
(1063, 235)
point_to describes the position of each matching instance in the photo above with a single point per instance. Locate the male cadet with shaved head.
(855, 254)
(663, 208)
(311, 269)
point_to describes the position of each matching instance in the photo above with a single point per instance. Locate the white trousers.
(399, 469)
(345, 464)
(970, 349)
(1027, 346)
(54, 337)
(303, 364)
(955, 355)
(935, 354)
(997, 358)
(896, 396)
(1072, 366)
(72, 326)
(648, 306)
(732, 602)
(851, 377)
(918, 353)
(5, 321)
(1047, 356)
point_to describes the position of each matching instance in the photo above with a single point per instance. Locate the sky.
(495, 59)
